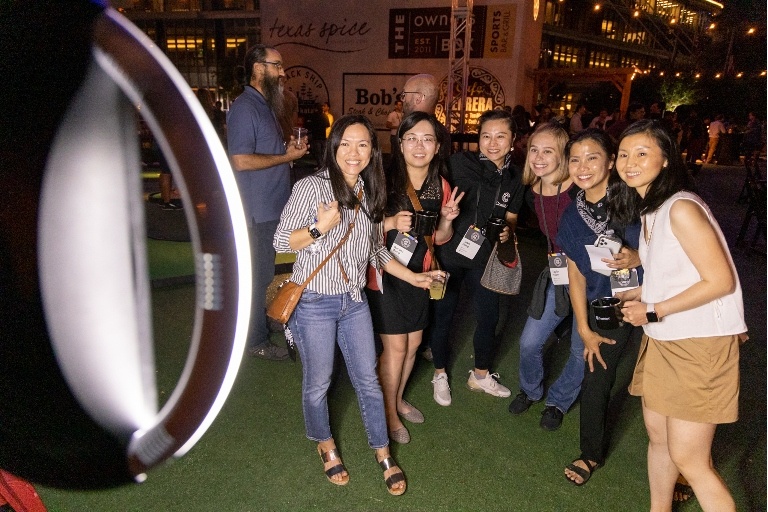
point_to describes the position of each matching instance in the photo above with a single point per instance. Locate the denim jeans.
(318, 323)
(486, 309)
(563, 393)
(263, 269)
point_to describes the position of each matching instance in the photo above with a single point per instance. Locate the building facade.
(206, 40)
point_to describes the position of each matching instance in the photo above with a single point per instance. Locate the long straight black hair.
(373, 174)
(672, 179)
(397, 178)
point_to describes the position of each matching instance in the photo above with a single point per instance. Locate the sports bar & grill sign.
(425, 33)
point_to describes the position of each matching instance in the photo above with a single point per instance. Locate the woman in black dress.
(400, 310)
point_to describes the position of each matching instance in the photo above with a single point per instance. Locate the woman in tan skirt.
(690, 306)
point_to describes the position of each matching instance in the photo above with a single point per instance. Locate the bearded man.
(261, 161)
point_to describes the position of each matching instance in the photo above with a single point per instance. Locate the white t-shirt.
(716, 128)
(394, 119)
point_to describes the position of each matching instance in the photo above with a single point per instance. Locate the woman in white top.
(691, 309)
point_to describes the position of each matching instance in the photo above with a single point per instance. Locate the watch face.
(315, 233)
(652, 316)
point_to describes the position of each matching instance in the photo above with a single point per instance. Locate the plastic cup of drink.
(438, 286)
(299, 134)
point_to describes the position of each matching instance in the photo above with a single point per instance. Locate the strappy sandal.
(682, 493)
(328, 456)
(395, 478)
(585, 474)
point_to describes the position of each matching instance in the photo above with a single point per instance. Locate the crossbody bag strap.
(434, 265)
(338, 246)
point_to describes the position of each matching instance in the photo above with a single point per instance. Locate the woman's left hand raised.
(451, 208)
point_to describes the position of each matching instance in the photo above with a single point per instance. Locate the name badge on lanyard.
(403, 248)
(558, 267)
(471, 242)
(624, 279)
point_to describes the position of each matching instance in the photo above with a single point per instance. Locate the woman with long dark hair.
(494, 193)
(591, 155)
(400, 310)
(690, 307)
(346, 198)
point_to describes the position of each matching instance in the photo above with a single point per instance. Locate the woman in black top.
(400, 310)
(493, 189)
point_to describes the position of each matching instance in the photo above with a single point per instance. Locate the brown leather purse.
(289, 293)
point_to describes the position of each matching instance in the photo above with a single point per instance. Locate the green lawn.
(471, 456)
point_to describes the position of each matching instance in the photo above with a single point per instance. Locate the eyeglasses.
(278, 65)
(402, 94)
(412, 140)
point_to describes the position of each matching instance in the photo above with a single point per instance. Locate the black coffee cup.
(424, 223)
(607, 312)
(493, 229)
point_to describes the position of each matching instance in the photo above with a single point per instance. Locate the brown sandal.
(328, 456)
(395, 478)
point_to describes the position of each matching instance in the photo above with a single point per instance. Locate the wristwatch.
(650, 313)
(314, 232)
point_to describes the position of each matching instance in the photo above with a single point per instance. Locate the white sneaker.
(487, 385)
(442, 391)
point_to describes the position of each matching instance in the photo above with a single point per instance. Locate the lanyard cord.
(477, 203)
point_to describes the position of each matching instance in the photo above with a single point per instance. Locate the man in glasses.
(261, 160)
(420, 94)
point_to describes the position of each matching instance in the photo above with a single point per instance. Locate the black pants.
(486, 309)
(596, 394)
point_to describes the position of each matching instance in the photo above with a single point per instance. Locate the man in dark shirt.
(261, 160)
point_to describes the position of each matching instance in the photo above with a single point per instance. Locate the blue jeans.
(318, 323)
(566, 388)
(263, 270)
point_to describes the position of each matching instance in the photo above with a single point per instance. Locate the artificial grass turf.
(470, 456)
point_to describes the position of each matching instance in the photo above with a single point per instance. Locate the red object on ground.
(19, 494)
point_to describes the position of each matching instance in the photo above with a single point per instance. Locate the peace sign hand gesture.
(451, 208)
